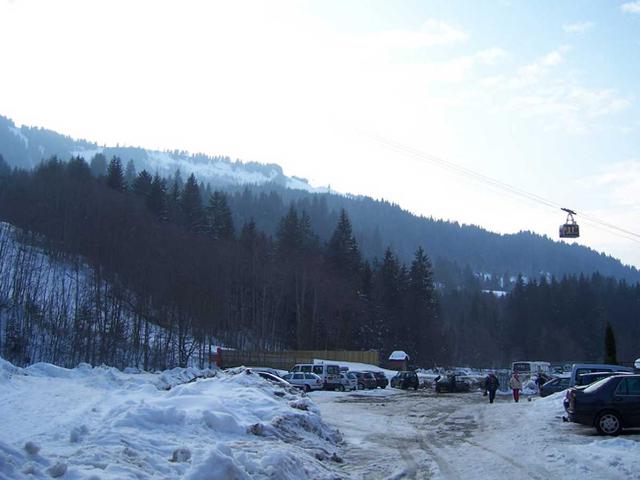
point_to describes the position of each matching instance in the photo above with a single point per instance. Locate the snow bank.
(101, 422)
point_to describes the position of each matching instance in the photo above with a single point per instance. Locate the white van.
(531, 368)
(328, 372)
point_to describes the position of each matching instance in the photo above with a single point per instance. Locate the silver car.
(348, 381)
(305, 381)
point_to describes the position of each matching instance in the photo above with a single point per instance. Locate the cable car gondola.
(570, 228)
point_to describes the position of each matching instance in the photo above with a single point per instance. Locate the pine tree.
(191, 204)
(141, 186)
(78, 169)
(421, 304)
(220, 225)
(99, 165)
(5, 170)
(157, 198)
(288, 234)
(610, 354)
(115, 177)
(342, 252)
(130, 173)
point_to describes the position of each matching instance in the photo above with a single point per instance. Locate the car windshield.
(595, 386)
(522, 367)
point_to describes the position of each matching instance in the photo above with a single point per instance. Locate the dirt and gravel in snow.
(423, 435)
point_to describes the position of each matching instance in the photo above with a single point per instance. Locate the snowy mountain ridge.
(26, 147)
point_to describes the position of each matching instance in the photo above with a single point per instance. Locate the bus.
(528, 368)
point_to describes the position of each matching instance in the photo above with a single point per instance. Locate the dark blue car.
(609, 405)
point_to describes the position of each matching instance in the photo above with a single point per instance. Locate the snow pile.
(102, 423)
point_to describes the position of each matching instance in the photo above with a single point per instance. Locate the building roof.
(398, 355)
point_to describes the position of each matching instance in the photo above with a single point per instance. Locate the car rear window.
(595, 386)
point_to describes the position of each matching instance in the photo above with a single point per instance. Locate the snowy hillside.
(90, 423)
(58, 309)
(26, 147)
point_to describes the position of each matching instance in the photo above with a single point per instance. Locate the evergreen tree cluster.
(175, 246)
(206, 263)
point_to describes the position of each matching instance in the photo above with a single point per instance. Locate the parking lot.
(405, 434)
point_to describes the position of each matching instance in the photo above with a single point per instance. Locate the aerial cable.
(479, 177)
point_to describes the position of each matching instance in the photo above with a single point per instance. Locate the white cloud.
(542, 90)
(431, 33)
(631, 7)
(375, 46)
(619, 183)
(533, 72)
(491, 56)
(578, 27)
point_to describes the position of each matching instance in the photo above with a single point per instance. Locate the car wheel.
(340, 388)
(608, 423)
(307, 388)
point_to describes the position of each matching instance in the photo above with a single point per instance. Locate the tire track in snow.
(442, 424)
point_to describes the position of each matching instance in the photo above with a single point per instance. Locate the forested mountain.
(264, 193)
(172, 256)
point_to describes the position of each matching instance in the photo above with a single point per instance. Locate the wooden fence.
(285, 360)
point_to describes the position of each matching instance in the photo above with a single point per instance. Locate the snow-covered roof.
(398, 355)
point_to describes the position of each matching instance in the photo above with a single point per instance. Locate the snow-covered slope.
(90, 423)
(58, 310)
(26, 146)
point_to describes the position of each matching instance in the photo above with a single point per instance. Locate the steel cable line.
(422, 156)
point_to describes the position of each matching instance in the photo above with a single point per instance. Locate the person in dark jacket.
(491, 384)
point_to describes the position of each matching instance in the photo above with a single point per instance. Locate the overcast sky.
(542, 95)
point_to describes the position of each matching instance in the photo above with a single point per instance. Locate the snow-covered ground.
(100, 423)
(461, 436)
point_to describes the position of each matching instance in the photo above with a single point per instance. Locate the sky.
(539, 95)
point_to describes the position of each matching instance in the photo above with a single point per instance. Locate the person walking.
(491, 384)
(516, 385)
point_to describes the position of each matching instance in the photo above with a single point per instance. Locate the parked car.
(381, 379)
(305, 381)
(581, 368)
(554, 385)
(609, 405)
(587, 379)
(274, 379)
(329, 373)
(405, 380)
(272, 371)
(452, 383)
(366, 380)
(348, 381)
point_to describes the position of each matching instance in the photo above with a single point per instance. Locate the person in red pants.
(516, 385)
